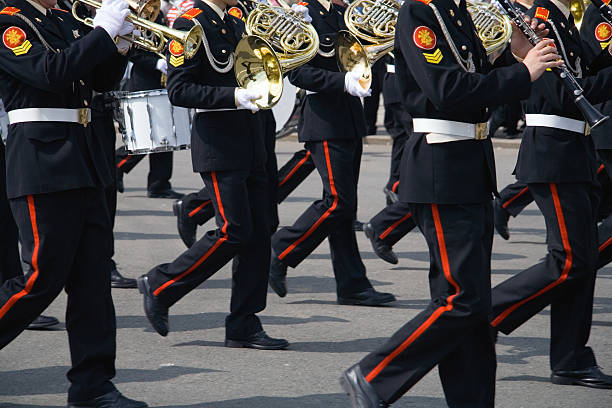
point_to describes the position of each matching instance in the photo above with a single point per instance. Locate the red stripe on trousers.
(293, 170)
(199, 208)
(517, 195)
(394, 226)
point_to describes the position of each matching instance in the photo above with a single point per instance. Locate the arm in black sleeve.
(317, 79)
(107, 75)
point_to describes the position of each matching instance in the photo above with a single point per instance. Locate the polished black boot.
(362, 394)
(113, 399)
(500, 219)
(278, 276)
(155, 311)
(384, 252)
(185, 225)
(119, 281)
(587, 377)
(259, 341)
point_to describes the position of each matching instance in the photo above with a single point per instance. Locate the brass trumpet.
(154, 36)
(372, 21)
(277, 41)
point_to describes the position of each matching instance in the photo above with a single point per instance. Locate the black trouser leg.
(515, 197)
(232, 202)
(160, 172)
(126, 162)
(452, 330)
(399, 125)
(10, 265)
(605, 228)
(393, 223)
(336, 163)
(293, 173)
(564, 279)
(251, 265)
(66, 241)
(199, 206)
(271, 169)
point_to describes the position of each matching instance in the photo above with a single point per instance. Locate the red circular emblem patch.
(13, 37)
(176, 48)
(424, 38)
(603, 32)
(235, 12)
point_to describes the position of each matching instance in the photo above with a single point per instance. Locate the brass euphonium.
(154, 37)
(277, 41)
(578, 8)
(494, 28)
(371, 21)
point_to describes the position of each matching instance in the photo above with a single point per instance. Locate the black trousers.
(285, 180)
(515, 197)
(160, 167)
(399, 125)
(243, 232)
(337, 162)
(10, 265)
(371, 103)
(66, 243)
(393, 223)
(565, 279)
(452, 332)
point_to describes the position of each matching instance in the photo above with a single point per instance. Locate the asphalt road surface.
(191, 369)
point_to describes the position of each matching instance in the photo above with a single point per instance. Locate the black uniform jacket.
(554, 155)
(44, 157)
(145, 75)
(222, 140)
(436, 86)
(596, 35)
(330, 113)
(391, 90)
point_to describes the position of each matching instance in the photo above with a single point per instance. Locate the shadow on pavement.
(214, 320)
(144, 213)
(521, 348)
(129, 236)
(52, 380)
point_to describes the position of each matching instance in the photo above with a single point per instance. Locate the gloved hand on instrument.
(303, 10)
(162, 66)
(353, 87)
(111, 17)
(245, 99)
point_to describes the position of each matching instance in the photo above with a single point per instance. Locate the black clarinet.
(591, 115)
(604, 10)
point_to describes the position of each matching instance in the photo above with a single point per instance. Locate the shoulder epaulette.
(425, 1)
(189, 15)
(11, 11)
(541, 13)
(59, 9)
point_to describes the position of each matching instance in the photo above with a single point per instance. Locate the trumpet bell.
(258, 69)
(353, 57)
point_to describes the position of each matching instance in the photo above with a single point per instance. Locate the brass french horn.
(373, 23)
(277, 41)
(494, 28)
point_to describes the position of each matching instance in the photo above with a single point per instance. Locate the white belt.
(443, 131)
(557, 122)
(391, 68)
(218, 110)
(81, 115)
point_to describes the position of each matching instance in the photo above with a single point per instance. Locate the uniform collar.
(214, 7)
(325, 4)
(38, 7)
(457, 2)
(562, 8)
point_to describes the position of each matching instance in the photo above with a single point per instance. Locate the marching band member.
(332, 126)
(55, 174)
(228, 150)
(558, 163)
(448, 84)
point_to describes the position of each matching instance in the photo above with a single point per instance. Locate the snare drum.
(150, 124)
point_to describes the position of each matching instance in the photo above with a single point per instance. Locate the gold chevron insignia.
(23, 48)
(434, 57)
(176, 61)
(604, 44)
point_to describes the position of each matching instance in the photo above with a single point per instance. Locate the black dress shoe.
(119, 182)
(587, 377)
(500, 219)
(169, 193)
(391, 196)
(155, 311)
(113, 399)
(369, 297)
(121, 282)
(42, 322)
(278, 276)
(185, 225)
(357, 225)
(384, 252)
(362, 394)
(259, 341)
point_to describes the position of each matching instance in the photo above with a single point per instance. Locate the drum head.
(284, 108)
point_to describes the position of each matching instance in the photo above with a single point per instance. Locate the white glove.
(244, 99)
(162, 66)
(353, 87)
(111, 16)
(303, 10)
